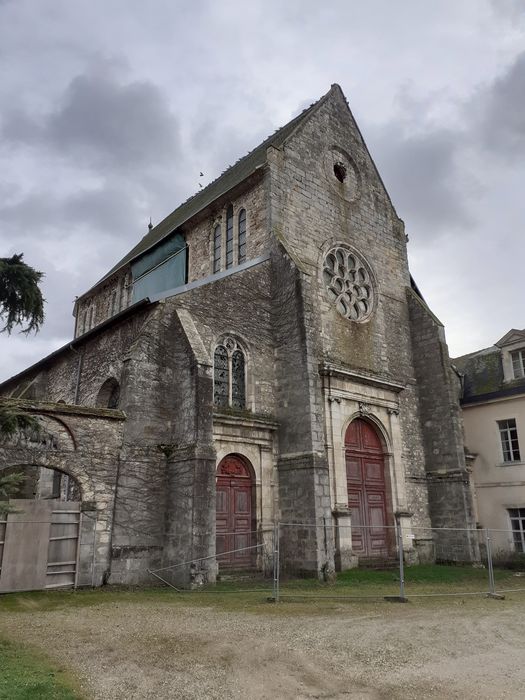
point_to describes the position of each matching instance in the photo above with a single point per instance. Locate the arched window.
(229, 375)
(238, 380)
(229, 236)
(217, 248)
(242, 236)
(221, 377)
(109, 394)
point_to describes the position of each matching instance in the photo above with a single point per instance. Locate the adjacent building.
(493, 403)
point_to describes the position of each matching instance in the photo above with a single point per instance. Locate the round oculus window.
(341, 173)
(349, 283)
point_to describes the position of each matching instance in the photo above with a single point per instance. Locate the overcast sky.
(111, 108)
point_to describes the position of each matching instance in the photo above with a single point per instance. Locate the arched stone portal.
(40, 535)
(42, 483)
(68, 498)
(235, 513)
(109, 394)
(369, 494)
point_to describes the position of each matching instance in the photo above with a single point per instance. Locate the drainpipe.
(79, 371)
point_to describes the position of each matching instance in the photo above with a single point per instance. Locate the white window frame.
(517, 525)
(511, 453)
(518, 355)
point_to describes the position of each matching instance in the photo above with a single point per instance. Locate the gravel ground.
(451, 649)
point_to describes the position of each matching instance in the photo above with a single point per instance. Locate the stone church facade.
(261, 355)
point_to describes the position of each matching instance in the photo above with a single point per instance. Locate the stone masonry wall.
(107, 300)
(190, 458)
(311, 212)
(450, 498)
(239, 305)
(98, 357)
(199, 235)
(149, 397)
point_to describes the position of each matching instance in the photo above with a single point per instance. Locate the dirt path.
(158, 650)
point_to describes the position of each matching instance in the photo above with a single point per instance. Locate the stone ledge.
(330, 369)
(245, 419)
(48, 407)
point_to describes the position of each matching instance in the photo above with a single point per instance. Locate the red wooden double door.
(368, 491)
(235, 514)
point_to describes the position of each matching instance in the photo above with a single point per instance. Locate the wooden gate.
(39, 545)
(234, 514)
(368, 496)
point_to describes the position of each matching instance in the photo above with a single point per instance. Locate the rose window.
(348, 281)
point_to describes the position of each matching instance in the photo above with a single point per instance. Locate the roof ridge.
(201, 198)
(485, 351)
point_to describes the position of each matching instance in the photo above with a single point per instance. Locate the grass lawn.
(252, 595)
(421, 580)
(27, 675)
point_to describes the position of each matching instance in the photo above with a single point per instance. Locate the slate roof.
(79, 340)
(483, 376)
(231, 177)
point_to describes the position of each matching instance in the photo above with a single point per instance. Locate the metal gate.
(39, 545)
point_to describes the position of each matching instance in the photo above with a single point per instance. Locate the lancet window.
(229, 375)
(229, 236)
(241, 252)
(217, 245)
(232, 237)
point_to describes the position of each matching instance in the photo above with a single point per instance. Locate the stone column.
(344, 559)
(307, 542)
(190, 515)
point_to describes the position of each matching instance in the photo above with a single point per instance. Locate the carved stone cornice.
(332, 370)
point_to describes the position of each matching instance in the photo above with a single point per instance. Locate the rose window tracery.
(348, 281)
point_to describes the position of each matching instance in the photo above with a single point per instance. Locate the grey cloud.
(500, 110)
(103, 122)
(108, 210)
(422, 174)
(114, 211)
(427, 169)
(511, 9)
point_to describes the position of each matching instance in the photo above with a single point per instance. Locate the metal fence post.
(401, 562)
(490, 568)
(276, 563)
(94, 560)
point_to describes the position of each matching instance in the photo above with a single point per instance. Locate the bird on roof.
(201, 174)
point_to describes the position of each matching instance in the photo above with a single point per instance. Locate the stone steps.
(382, 563)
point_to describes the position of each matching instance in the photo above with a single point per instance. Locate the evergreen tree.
(13, 421)
(21, 301)
(9, 486)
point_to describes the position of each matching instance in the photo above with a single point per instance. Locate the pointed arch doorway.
(369, 498)
(235, 513)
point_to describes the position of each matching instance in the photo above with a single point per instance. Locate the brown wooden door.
(234, 514)
(368, 497)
